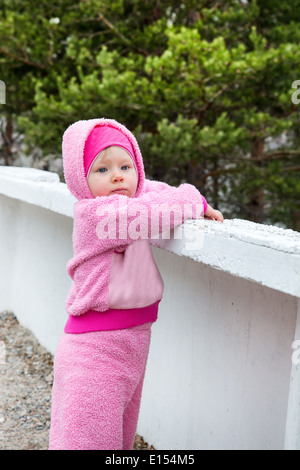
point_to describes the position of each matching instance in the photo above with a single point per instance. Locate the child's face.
(113, 172)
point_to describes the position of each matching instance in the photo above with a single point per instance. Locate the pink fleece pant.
(98, 380)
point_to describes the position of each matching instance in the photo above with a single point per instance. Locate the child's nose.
(117, 176)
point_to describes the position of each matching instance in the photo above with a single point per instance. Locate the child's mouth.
(119, 190)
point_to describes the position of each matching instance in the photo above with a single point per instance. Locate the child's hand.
(213, 214)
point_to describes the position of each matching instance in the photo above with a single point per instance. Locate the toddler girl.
(101, 357)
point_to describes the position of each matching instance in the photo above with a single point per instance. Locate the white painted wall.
(220, 372)
(220, 361)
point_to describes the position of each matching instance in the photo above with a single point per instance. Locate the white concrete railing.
(222, 373)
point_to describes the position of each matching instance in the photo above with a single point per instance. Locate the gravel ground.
(26, 377)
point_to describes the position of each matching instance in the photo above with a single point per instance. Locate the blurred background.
(211, 89)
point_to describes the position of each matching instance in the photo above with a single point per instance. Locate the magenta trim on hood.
(101, 138)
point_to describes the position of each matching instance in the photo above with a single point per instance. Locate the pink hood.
(73, 144)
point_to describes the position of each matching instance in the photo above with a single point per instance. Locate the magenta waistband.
(112, 319)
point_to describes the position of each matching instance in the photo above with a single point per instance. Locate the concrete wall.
(220, 373)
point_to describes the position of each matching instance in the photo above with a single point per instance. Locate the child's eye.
(124, 167)
(102, 170)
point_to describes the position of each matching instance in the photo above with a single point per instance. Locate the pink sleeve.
(112, 222)
(164, 206)
(151, 185)
(204, 204)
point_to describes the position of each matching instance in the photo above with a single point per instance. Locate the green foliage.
(205, 85)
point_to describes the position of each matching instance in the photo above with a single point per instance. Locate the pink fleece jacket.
(116, 283)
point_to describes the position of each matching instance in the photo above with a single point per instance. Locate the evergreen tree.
(206, 86)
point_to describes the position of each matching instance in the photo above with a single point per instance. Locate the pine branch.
(17, 58)
(275, 155)
(120, 35)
